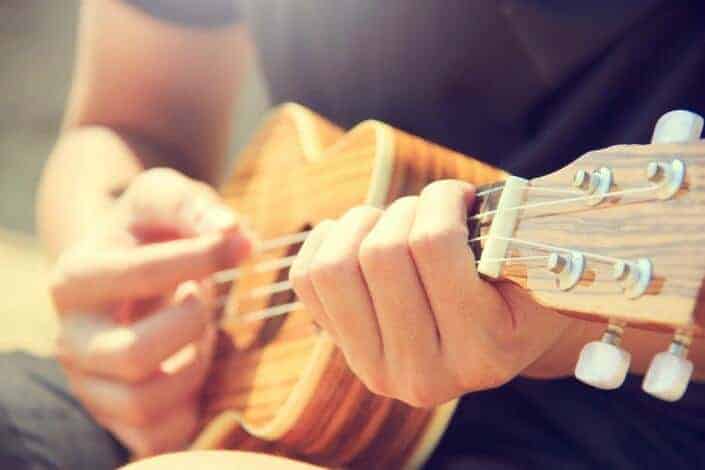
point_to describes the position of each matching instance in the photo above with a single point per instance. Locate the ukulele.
(592, 240)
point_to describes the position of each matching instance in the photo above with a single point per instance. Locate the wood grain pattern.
(280, 385)
(671, 233)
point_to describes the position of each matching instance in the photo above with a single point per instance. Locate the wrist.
(559, 359)
(87, 171)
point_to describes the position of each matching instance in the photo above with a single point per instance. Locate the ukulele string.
(230, 275)
(283, 286)
(545, 247)
(565, 201)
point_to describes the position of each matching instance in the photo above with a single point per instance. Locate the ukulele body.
(280, 385)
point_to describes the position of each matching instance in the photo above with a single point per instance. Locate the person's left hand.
(398, 291)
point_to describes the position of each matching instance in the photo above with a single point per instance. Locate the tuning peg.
(669, 372)
(676, 127)
(603, 364)
(568, 268)
(634, 276)
(596, 183)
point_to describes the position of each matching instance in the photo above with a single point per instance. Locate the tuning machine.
(674, 127)
(677, 127)
(596, 183)
(635, 277)
(669, 176)
(603, 364)
(669, 373)
(568, 268)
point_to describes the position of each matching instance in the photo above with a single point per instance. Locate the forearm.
(89, 167)
(144, 94)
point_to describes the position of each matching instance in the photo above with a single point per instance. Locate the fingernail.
(186, 292)
(217, 219)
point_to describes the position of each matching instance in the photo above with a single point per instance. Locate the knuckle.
(323, 227)
(420, 392)
(206, 190)
(130, 364)
(426, 243)
(361, 212)
(154, 183)
(66, 268)
(328, 271)
(64, 349)
(300, 280)
(445, 186)
(378, 255)
(59, 286)
(403, 203)
(402, 207)
(492, 375)
(155, 176)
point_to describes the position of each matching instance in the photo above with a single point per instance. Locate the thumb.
(164, 204)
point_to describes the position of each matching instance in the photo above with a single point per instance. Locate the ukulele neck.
(493, 221)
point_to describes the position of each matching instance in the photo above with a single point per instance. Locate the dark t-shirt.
(527, 85)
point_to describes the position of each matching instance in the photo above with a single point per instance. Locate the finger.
(88, 281)
(466, 308)
(169, 433)
(300, 276)
(133, 352)
(338, 282)
(162, 200)
(178, 381)
(409, 331)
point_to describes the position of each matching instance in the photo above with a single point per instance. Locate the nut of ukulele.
(669, 372)
(603, 364)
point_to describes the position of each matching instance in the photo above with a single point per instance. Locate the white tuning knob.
(669, 373)
(677, 127)
(603, 364)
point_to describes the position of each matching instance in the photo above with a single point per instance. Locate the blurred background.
(37, 39)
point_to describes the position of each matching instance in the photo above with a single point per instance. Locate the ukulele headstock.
(617, 236)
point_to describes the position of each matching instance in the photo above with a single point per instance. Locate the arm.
(398, 291)
(144, 94)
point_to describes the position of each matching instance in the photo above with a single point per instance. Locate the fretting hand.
(137, 330)
(398, 291)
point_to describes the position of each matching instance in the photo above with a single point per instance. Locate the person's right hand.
(136, 324)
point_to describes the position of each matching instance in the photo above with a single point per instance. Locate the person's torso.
(525, 84)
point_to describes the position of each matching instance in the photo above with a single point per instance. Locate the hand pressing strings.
(232, 275)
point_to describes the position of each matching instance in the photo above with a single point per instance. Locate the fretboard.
(483, 203)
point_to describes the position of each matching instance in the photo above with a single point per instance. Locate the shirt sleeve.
(192, 13)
